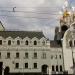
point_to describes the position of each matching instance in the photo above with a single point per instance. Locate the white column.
(2, 71)
(49, 70)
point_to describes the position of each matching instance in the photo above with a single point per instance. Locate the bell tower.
(66, 19)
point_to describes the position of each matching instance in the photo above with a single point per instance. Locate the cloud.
(21, 22)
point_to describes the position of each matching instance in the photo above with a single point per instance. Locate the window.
(26, 65)
(53, 68)
(26, 43)
(56, 67)
(18, 42)
(0, 42)
(17, 55)
(70, 43)
(26, 55)
(0, 54)
(64, 28)
(56, 57)
(8, 55)
(17, 65)
(43, 42)
(35, 42)
(44, 55)
(60, 68)
(51, 56)
(35, 55)
(60, 56)
(35, 65)
(74, 42)
(9, 42)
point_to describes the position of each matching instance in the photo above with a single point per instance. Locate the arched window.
(44, 69)
(18, 42)
(56, 67)
(9, 42)
(35, 42)
(60, 67)
(26, 42)
(64, 28)
(53, 68)
(0, 42)
(60, 56)
(43, 42)
(70, 43)
(74, 42)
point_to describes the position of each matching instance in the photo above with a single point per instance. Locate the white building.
(28, 52)
(31, 53)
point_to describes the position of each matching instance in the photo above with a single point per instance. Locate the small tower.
(65, 20)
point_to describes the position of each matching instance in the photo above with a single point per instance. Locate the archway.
(44, 69)
(1, 67)
(6, 71)
(64, 28)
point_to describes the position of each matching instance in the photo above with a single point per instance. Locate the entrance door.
(1, 65)
(44, 69)
(6, 71)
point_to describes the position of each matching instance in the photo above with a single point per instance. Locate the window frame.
(0, 42)
(35, 65)
(57, 68)
(43, 43)
(0, 54)
(9, 42)
(35, 42)
(35, 55)
(16, 65)
(8, 54)
(53, 68)
(26, 55)
(17, 54)
(70, 43)
(26, 42)
(51, 56)
(74, 42)
(60, 56)
(44, 55)
(26, 65)
(18, 42)
(61, 68)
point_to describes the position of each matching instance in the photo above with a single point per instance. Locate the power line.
(29, 7)
(28, 12)
(27, 17)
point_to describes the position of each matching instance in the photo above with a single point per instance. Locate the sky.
(32, 15)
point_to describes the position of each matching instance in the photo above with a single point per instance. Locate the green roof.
(22, 34)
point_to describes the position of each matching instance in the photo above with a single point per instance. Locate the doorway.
(1, 66)
(44, 70)
(6, 71)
